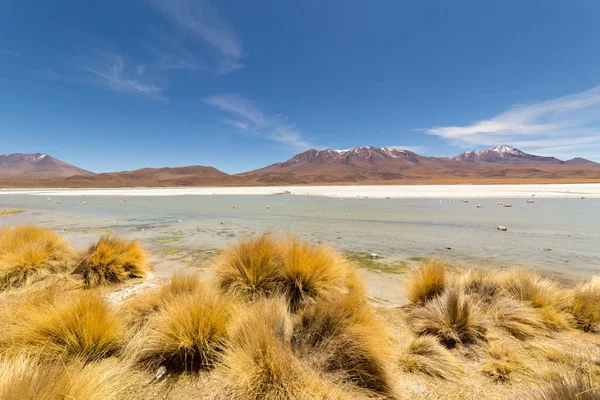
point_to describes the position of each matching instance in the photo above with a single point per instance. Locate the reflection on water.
(559, 235)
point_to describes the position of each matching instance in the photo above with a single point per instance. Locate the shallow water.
(561, 236)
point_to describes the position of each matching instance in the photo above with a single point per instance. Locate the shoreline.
(588, 190)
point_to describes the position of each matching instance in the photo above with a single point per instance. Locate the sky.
(120, 85)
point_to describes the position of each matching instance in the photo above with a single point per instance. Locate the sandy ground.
(591, 190)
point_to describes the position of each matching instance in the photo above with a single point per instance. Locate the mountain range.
(358, 165)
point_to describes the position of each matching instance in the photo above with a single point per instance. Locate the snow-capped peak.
(506, 149)
(39, 158)
(353, 149)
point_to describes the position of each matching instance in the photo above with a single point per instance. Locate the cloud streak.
(563, 126)
(114, 75)
(172, 55)
(248, 117)
(200, 20)
(15, 55)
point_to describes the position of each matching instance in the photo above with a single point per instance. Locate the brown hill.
(579, 160)
(37, 166)
(146, 177)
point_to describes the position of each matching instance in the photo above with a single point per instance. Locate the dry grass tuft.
(554, 320)
(585, 306)
(251, 269)
(261, 266)
(138, 309)
(498, 370)
(187, 334)
(559, 355)
(310, 273)
(529, 286)
(427, 281)
(344, 337)
(566, 385)
(504, 364)
(258, 362)
(112, 260)
(520, 321)
(62, 283)
(451, 317)
(269, 317)
(53, 326)
(482, 283)
(27, 378)
(426, 355)
(29, 253)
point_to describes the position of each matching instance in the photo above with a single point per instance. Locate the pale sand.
(590, 190)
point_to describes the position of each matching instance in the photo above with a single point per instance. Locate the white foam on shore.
(591, 190)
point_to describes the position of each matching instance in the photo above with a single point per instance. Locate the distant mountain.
(358, 165)
(351, 165)
(369, 164)
(37, 166)
(356, 154)
(579, 160)
(350, 157)
(503, 154)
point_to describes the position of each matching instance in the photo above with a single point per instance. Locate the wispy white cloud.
(198, 18)
(170, 54)
(14, 54)
(249, 117)
(113, 74)
(414, 149)
(565, 126)
(238, 124)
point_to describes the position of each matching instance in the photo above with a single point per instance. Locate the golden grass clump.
(554, 320)
(251, 269)
(53, 326)
(481, 283)
(258, 362)
(112, 260)
(63, 282)
(451, 317)
(310, 273)
(344, 337)
(504, 364)
(25, 377)
(565, 385)
(426, 282)
(187, 334)
(262, 266)
(520, 321)
(138, 309)
(558, 354)
(426, 355)
(28, 253)
(585, 306)
(529, 286)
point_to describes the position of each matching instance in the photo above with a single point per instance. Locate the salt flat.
(591, 190)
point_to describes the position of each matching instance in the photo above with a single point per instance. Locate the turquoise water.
(557, 235)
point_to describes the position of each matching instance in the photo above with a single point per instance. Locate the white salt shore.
(591, 190)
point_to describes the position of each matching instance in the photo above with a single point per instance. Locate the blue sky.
(120, 85)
